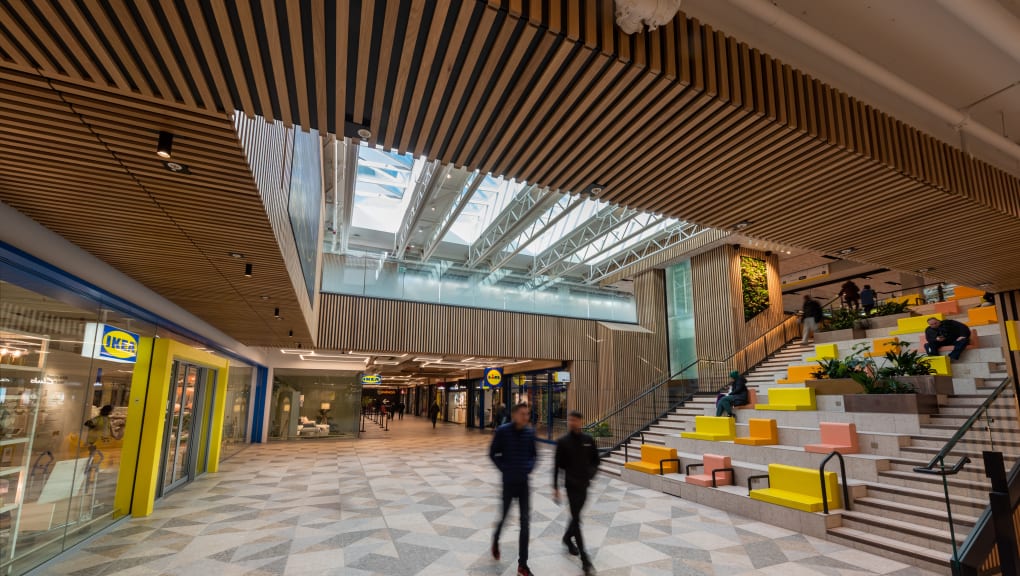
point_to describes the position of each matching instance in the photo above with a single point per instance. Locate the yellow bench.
(1013, 334)
(824, 352)
(961, 292)
(941, 365)
(761, 432)
(880, 346)
(652, 458)
(914, 324)
(798, 374)
(981, 316)
(908, 298)
(798, 488)
(715, 428)
(789, 399)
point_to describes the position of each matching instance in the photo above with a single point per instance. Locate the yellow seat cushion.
(651, 455)
(714, 428)
(798, 374)
(761, 432)
(1013, 334)
(880, 346)
(798, 488)
(790, 399)
(982, 316)
(914, 324)
(824, 352)
(941, 365)
(908, 298)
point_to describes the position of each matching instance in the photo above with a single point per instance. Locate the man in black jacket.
(514, 452)
(812, 317)
(946, 333)
(736, 397)
(578, 457)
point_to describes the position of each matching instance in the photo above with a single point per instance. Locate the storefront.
(78, 377)
(315, 404)
(546, 393)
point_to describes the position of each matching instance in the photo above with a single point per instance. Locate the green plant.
(890, 308)
(846, 367)
(754, 281)
(905, 362)
(887, 386)
(842, 319)
(863, 370)
(600, 430)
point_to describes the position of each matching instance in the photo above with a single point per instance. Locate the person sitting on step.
(942, 333)
(736, 397)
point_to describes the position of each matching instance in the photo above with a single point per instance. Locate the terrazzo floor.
(418, 501)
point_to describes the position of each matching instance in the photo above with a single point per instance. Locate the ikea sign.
(105, 342)
(371, 379)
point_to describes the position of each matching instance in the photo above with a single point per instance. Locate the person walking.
(434, 412)
(851, 294)
(400, 410)
(868, 298)
(514, 451)
(736, 397)
(812, 317)
(578, 457)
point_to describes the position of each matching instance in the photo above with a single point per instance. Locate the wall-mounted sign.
(562, 377)
(493, 377)
(105, 342)
(371, 379)
(815, 273)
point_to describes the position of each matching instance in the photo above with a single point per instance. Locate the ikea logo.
(371, 379)
(105, 342)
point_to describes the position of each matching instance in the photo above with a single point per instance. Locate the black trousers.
(958, 347)
(522, 493)
(576, 498)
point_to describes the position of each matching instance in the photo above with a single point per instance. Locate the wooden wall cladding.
(85, 167)
(609, 362)
(716, 132)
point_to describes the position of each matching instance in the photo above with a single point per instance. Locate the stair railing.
(842, 476)
(990, 429)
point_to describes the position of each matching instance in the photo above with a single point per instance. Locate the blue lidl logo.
(493, 377)
(371, 379)
(118, 345)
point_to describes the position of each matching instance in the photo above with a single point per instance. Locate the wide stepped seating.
(894, 512)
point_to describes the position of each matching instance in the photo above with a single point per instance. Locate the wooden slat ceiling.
(683, 120)
(86, 168)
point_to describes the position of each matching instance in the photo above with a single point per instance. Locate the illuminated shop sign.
(105, 342)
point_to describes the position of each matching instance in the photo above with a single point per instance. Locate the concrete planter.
(929, 384)
(834, 386)
(830, 336)
(892, 403)
(889, 321)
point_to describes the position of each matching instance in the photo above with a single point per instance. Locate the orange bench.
(752, 399)
(836, 436)
(982, 316)
(949, 307)
(880, 346)
(761, 432)
(718, 470)
(961, 292)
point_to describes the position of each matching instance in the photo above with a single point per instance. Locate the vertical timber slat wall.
(609, 363)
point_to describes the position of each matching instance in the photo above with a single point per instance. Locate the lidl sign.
(371, 379)
(493, 376)
(105, 342)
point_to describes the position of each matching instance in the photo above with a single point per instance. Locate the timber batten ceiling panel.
(683, 120)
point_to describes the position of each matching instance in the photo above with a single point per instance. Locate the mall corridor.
(422, 501)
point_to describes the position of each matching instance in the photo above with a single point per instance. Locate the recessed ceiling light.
(247, 270)
(364, 133)
(847, 251)
(235, 254)
(742, 224)
(264, 297)
(985, 285)
(924, 270)
(165, 145)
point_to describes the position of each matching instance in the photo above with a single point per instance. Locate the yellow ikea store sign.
(371, 379)
(105, 342)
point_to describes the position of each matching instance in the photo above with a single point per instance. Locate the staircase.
(682, 418)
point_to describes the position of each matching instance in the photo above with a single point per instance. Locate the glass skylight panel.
(492, 196)
(566, 225)
(639, 238)
(382, 189)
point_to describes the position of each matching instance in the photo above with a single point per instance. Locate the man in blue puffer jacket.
(514, 452)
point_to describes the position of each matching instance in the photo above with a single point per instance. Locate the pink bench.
(752, 399)
(836, 436)
(718, 470)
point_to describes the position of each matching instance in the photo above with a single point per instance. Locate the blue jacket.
(514, 452)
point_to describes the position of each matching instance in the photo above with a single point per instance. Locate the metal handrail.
(842, 473)
(938, 461)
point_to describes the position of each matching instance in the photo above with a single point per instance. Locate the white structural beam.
(544, 223)
(430, 179)
(526, 207)
(452, 213)
(345, 159)
(608, 244)
(634, 256)
(599, 225)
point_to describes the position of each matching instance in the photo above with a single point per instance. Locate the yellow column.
(219, 407)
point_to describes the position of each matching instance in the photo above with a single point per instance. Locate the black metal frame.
(751, 479)
(723, 470)
(842, 473)
(662, 463)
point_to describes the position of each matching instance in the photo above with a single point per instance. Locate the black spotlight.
(290, 333)
(276, 313)
(165, 146)
(247, 270)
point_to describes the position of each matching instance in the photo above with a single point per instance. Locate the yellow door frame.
(146, 419)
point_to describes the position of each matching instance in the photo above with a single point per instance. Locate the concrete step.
(927, 498)
(927, 516)
(920, 556)
(905, 531)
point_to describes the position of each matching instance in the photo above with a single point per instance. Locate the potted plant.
(835, 376)
(884, 393)
(842, 324)
(912, 367)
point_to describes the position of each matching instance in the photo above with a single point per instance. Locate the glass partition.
(315, 404)
(235, 421)
(680, 318)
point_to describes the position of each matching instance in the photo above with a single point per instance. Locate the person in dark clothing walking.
(851, 294)
(514, 452)
(946, 333)
(812, 317)
(400, 410)
(434, 413)
(578, 457)
(736, 397)
(868, 297)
